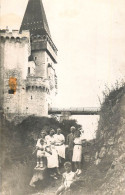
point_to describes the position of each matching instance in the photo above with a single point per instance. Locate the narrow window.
(11, 91)
(28, 70)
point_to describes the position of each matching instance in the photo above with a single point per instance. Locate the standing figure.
(59, 144)
(52, 160)
(70, 142)
(77, 151)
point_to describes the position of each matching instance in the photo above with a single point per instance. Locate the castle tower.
(27, 59)
(43, 53)
(14, 53)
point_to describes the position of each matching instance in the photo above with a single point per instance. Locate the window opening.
(11, 91)
(28, 70)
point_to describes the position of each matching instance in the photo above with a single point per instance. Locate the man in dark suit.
(70, 143)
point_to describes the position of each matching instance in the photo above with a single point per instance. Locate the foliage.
(18, 141)
(17, 144)
(66, 124)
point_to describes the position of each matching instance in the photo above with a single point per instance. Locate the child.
(41, 148)
(69, 178)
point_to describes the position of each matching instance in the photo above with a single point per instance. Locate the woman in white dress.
(77, 151)
(59, 144)
(52, 159)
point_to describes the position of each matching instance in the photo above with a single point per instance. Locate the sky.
(90, 37)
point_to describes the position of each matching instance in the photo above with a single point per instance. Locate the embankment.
(106, 173)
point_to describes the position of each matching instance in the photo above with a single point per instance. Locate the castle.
(27, 66)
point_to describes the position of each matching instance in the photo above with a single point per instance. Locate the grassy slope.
(108, 176)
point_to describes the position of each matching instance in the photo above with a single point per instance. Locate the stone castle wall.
(14, 63)
(35, 80)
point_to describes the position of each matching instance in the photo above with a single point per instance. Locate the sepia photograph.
(62, 97)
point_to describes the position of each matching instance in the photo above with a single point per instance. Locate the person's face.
(77, 134)
(52, 132)
(67, 169)
(72, 129)
(42, 142)
(58, 131)
(43, 134)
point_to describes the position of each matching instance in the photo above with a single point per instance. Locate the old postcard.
(62, 97)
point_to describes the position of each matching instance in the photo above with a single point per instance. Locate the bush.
(17, 143)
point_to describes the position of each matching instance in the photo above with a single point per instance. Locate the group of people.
(53, 150)
(50, 149)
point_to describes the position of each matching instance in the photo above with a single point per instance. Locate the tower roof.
(35, 19)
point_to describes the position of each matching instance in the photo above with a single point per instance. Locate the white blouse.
(50, 140)
(59, 139)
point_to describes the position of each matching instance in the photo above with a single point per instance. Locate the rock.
(121, 147)
(102, 152)
(87, 158)
(110, 142)
(96, 155)
(120, 140)
(37, 175)
(122, 120)
(122, 158)
(110, 150)
(97, 161)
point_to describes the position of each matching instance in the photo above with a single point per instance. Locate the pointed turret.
(35, 19)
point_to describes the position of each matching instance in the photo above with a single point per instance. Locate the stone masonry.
(27, 73)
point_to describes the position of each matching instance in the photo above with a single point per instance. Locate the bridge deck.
(75, 111)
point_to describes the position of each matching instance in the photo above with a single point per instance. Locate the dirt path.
(50, 191)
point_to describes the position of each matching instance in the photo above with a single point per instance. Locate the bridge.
(75, 111)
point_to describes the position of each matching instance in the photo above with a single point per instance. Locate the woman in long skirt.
(52, 159)
(77, 151)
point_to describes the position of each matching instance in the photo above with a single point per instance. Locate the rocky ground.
(106, 174)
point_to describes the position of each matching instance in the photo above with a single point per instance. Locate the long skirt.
(52, 160)
(77, 153)
(61, 150)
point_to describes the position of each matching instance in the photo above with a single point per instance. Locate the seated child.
(41, 148)
(69, 178)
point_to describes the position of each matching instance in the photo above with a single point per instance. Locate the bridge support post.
(65, 116)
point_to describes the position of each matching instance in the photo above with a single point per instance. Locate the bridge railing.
(79, 109)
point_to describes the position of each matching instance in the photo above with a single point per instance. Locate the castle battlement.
(33, 83)
(27, 66)
(14, 35)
